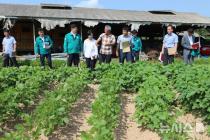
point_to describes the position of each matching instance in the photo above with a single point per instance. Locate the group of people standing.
(129, 46)
(170, 43)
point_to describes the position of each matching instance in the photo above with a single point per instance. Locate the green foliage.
(20, 90)
(156, 102)
(193, 84)
(53, 110)
(203, 32)
(105, 110)
(155, 106)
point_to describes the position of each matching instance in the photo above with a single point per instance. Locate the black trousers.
(168, 59)
(49, 60)
(73, 59)
(9, 61)
(104, 58)
(135, 56)
(91, 63)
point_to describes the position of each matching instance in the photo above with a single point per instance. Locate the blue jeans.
(135, 56)
(124, 56)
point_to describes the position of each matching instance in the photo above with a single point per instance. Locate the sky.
(199, 6)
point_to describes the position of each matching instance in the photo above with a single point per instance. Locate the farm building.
(24, 20)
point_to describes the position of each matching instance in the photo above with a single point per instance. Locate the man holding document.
(190, 47)
(169, 48)
(124, 43)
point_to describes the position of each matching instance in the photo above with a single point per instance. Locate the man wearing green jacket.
(43, 48)
(73, 46)
(137, 46)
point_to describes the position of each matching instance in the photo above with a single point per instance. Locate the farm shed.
(24, 20)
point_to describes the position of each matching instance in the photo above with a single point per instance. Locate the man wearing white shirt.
(90, 51)
(9, 49)
(170, 42)
(124, 43)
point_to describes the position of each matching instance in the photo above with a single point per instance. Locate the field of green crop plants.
(35, 102)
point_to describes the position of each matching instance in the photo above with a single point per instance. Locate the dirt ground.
(128, 128)
(197, 129)
(80, 112)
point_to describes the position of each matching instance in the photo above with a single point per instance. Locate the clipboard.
(126, 47)
(172, 51)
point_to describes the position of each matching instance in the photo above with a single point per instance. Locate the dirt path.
(128, 128)
(197, 129)
(80, 112)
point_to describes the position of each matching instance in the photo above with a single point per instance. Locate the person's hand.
(66, 55)
(37, 55)
(107, 44)
(191, 48)
(14, 51)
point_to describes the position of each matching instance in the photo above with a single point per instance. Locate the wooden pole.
(34, 32)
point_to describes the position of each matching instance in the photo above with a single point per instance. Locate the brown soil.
(128, 129)
(78, 115)
(198, 129)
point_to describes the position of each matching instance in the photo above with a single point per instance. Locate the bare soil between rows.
(128, 129)
(78, 116)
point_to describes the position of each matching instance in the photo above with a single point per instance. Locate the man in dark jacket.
(187, 41)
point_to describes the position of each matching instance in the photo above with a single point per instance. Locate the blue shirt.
(170, 40)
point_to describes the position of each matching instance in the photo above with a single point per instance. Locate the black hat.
(134, 32)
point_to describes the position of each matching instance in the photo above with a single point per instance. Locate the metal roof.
(76, 13)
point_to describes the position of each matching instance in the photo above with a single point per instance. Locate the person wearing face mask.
(42, 48)
(90, 51)
(170, 42)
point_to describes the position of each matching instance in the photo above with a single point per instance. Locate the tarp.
(52, 23)
(8, 23)
(90, 23)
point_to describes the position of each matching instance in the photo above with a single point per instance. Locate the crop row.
(155, 108)
(193, 84)
(105, 109)
(24, 91)
(53, 110)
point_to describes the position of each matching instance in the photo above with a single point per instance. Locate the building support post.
(34, 32)
(81, 30)
(164, 31)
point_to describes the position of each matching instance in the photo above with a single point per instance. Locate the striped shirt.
(110, 39)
